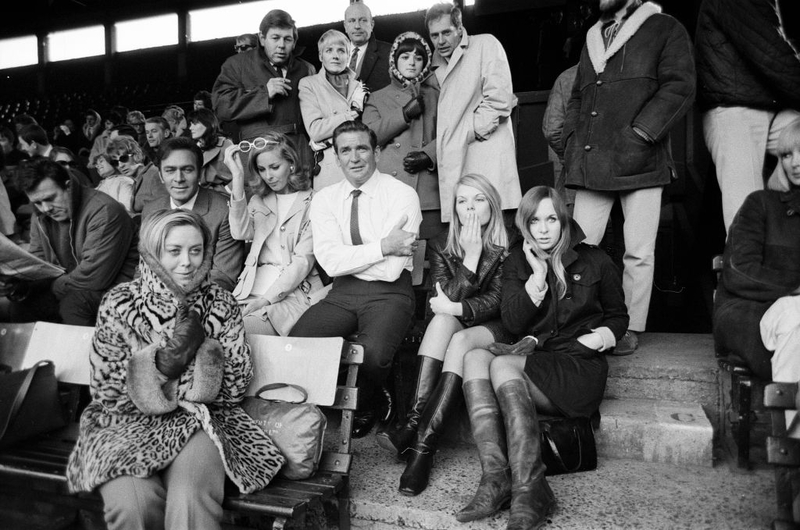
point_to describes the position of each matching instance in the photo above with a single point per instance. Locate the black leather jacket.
(479, 292)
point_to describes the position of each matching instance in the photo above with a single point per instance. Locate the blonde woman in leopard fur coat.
(169, 367)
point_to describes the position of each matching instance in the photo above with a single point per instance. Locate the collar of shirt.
(368, 189)
(188, 205)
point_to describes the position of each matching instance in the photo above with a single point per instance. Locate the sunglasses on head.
(258, 143)
(243, 47)
(122, 158)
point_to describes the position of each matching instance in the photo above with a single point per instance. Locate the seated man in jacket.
(180, 161)
(86, 232)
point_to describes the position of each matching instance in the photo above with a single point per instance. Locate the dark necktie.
(354, 59)
(355, 235)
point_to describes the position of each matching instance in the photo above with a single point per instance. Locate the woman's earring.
(291, 168)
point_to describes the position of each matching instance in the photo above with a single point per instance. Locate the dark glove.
(416, 161)
(179, 351)
(413, 109)
(525, 346)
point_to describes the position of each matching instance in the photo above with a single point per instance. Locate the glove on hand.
(414, 109)
(179, 351)
(416, 161)
(525, 346)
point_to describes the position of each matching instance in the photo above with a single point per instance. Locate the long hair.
(213, 132)
(495, 232)
(299, 180)
(155, 229)
(527, 209)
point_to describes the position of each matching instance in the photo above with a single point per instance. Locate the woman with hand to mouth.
(279, 281)
(328, 99)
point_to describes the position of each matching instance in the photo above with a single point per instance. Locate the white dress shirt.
(383, 202)
(188, 205)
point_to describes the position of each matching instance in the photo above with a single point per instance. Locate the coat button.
(594, 113)
(283, 229)
(552, 332)
(587, 147)
(283, 246)
(397, 144)
(394, 173)
(599, 82)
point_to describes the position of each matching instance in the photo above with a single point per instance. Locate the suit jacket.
(228, 252)
(374, 69)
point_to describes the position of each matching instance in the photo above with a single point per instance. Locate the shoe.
(363, 422)
(446, 397)
(627, 344)
(398, 438)
(532, 500)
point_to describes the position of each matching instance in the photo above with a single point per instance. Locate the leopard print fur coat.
(138, 421)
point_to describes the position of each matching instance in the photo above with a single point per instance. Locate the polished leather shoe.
(363, 422)
(415, 478)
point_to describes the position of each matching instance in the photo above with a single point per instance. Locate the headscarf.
(409, 35)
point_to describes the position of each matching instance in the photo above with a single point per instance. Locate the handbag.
(296, 428)
(568, 445)
(29, 403)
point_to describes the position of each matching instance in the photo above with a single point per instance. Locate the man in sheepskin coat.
(635, 81)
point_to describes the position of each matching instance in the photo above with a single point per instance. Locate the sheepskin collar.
(393, 64)
(598, 53)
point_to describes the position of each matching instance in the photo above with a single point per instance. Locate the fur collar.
(598, 53)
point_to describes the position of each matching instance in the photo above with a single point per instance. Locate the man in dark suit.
(370, 57)
(179, 167)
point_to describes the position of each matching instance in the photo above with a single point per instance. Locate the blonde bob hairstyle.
(298, 180)
(495, 231)
(157, 227)
(527, 209)
(333, 36)
(788, 141)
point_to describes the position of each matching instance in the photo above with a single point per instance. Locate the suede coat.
(761, 263)
(138, 420)
(645, 79)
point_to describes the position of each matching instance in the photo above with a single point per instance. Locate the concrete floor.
(619, 494)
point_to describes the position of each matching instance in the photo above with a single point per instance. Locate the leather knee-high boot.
(445, 399)
(531, 496)
(494, 489)
(398, 439)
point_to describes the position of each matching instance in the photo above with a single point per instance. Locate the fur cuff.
(209, 366)
(150, 390)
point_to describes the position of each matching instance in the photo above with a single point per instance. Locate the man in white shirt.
(180, 161)
(370, 57)
(364, 230)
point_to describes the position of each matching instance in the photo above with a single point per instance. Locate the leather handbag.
(296, 428)
(568, 445)
(29, 403)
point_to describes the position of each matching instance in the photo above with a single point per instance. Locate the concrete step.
(666, 432)
(621, 493)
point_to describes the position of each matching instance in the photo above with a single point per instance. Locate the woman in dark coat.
(566, 299)
(466, 269)
(761, 273)
(403, 116)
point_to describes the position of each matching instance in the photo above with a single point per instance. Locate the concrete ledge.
(655, 431)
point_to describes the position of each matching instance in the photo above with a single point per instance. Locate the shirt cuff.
(538, 295)
(609, 341)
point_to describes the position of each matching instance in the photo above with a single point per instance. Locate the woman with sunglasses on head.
(328, 99)
(565, 299)
(279, 281)
(206, 132)
(114, 184)
(127, 157)
(65, 157)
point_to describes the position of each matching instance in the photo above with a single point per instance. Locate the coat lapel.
(598, 53)
(202, 204)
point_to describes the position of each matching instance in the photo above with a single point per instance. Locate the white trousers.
(738, 139)
(642, 211)
(780, 332)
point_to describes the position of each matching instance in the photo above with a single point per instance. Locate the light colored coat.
(299, 284)
(476, 97)
(323, 109)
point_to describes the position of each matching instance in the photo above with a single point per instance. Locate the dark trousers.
(77, 308)
(379, 313)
